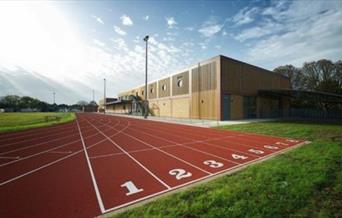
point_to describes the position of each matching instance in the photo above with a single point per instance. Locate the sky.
(68, 47)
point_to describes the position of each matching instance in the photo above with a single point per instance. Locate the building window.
(142, 92)
(164, 87)
(180, 82)
(151, 90)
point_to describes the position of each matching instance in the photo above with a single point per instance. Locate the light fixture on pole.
(146, 101)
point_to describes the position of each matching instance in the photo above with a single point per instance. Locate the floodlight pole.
(93, 95)
(54, 97)
(104, 96)
(146, 101)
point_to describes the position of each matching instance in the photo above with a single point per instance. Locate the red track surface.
(102, 163)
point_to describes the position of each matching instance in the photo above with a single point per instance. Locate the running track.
(99, 163)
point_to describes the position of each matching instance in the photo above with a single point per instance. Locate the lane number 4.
(132, 189)
(179, 173)
(213, 164)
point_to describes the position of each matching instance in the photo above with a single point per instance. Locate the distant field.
(10, 122)
(305, 182)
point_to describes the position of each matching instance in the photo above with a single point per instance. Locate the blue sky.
(75, 44)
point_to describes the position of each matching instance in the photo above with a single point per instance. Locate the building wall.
(180, 83)
(245, 79)
(164, 88)
(204, 84)
(240, 79)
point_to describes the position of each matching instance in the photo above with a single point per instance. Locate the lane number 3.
(179, 173)
(213, 164)
(132, 189)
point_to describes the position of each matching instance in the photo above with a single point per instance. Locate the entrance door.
(226, 107)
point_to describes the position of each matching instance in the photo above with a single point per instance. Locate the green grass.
(10, 122)
(305, 182)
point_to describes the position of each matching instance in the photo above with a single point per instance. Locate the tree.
(294, 74)
(82, 103)
(322, 75)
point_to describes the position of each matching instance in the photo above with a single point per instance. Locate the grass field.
(10, 122)
(305, 182)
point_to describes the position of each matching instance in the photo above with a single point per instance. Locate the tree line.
(16, 103)
(322, 75)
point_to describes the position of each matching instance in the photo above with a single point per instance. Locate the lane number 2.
(132, 189)
(213, 164)
(179, 173)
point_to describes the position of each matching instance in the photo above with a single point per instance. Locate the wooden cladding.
(204, 77)
(180, 83)
(246, 79)
(152, 90)
(204, 91)
(164, 88)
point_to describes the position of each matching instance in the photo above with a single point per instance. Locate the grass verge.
(10, 122)
(305, 182)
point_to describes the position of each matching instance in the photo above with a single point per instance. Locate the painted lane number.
(213, 164)
(281, 143)
(236, 157)
(256, 151)
(271, 147)
(179, 173)
(132, 189)
(291, 140)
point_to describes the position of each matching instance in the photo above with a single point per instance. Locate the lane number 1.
(132, 189)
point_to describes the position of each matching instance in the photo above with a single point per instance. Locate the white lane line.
(171, 155)
(31, 133)
(165, 146)
(167, 153)
(60, 152)
(56, 161)
(98, 195)
(136, 161)
(191, 148)
(39, 153)
(17, 157)
(18, 142)
(219, 146)
(240, 166)
(31, 146)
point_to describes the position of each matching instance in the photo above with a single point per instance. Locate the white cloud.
(210, 27)
(146, 17)
(119, 31)
(301, 32)
(245, 16)
(171, 22)
(98, 19)
(120, 44)
(190, 28)
(126, 20)
(98, 42)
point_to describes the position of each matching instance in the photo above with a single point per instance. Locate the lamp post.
(146, 101)
(104, 96)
